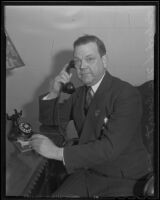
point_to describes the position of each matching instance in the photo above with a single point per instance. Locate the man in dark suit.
(110, 156)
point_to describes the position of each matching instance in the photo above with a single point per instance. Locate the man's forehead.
(87, 48)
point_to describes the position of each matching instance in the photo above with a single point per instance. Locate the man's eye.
(76, 62)
(90, 59)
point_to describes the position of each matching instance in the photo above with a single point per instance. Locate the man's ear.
(104, 60)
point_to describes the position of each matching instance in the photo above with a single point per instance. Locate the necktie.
(89, 96)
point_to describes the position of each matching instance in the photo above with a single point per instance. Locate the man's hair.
(91, 38)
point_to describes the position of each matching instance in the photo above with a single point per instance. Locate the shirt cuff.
(45, 97)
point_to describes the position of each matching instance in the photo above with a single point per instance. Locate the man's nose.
(83, 64)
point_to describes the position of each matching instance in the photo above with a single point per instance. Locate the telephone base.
(22, 146)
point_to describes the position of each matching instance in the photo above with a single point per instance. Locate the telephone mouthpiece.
(68, 88)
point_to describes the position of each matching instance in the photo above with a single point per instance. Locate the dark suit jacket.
(114, 149)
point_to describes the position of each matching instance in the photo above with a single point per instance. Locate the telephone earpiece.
(68, 87)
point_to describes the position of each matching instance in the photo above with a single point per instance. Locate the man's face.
(89, 64)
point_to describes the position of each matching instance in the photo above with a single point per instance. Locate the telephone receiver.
(68, 87)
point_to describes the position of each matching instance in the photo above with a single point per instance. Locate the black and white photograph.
(80, 100)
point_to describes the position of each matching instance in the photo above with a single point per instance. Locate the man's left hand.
(44, 146)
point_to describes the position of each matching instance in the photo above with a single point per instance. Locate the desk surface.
(22, 172)
(23, 169)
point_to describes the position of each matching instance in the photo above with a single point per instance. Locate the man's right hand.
(55, 84)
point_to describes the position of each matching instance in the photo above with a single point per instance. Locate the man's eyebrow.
(85, 56)
(89, 55)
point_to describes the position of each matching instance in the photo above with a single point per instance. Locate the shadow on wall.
(8, 73)
(31, 109)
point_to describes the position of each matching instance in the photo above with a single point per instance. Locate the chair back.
(147, 93)
(148, 131)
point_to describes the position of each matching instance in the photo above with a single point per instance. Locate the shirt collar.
(95, 87)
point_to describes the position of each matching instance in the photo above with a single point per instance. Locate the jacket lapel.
(97, 111)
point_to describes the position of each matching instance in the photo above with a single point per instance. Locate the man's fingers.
(36, 141)
(70, 75)
(35, 136)
(65, 66)
(64, 74)
(63, 77)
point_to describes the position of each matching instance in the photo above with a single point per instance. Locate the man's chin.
(88, 83)
(86, 79)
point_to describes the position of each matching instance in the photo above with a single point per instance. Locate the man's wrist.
(60, 154)
(54, 92)
(51, 95)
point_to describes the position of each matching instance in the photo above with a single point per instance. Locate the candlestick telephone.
(68, 87)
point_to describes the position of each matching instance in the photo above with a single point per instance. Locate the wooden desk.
(24, 169)
(22, 173)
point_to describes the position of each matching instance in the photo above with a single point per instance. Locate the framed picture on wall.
(13, 59)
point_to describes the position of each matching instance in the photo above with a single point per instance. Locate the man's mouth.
(86, 73)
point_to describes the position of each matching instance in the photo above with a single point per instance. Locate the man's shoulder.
(121, 82)
(123, 86)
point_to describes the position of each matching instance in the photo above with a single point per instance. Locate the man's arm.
(48, 107)
(49, 114)
(49, 110)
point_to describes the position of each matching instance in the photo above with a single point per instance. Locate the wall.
(43, 36)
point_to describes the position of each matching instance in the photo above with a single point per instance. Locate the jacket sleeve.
(53, 113)
(118, 133)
